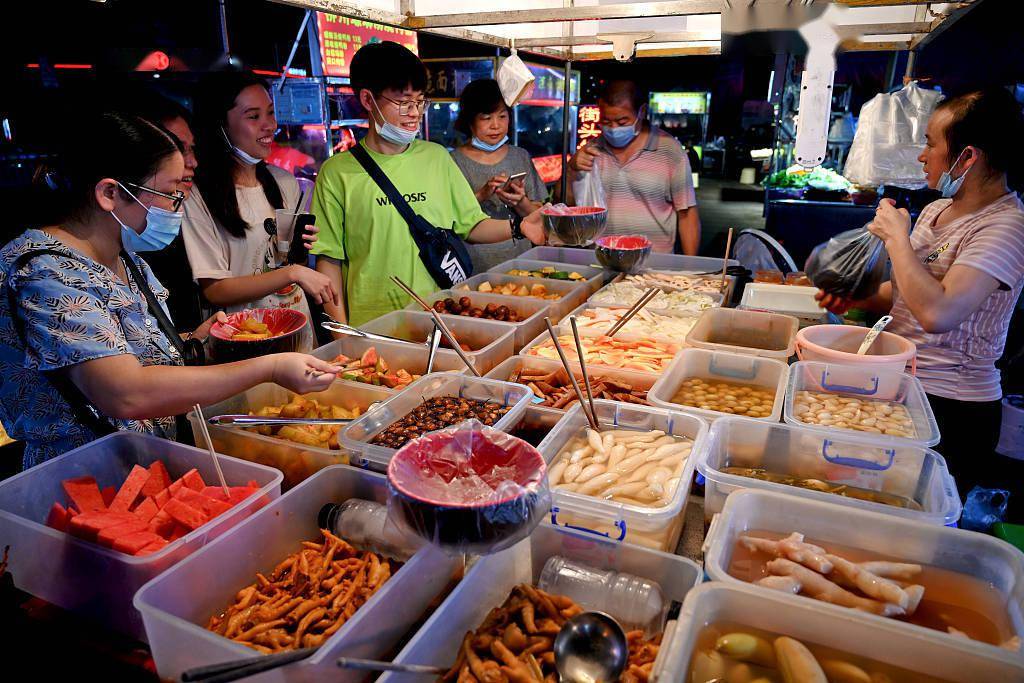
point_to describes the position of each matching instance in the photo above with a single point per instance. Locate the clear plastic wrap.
(588, 190)
(851, 265)
(889, 138)
(468, 489)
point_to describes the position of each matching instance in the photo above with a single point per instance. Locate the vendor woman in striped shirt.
(957, 276)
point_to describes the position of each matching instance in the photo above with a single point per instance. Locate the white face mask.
(396, 135)
(243, 156)
(948, 187)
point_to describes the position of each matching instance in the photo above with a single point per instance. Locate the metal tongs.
(332, 325)
(259, 421)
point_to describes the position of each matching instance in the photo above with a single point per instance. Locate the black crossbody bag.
(443, 253)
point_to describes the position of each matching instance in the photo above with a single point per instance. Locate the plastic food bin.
(863, 382)
(982, 557)
(571, 294)
(490, 581)
(839, 344)
(297, 461)
(535, 424)
(638, 380)
(722, 367)
(177, 605)
(531, 311)
(624, 334)
(798, 302)
(594, 276)
(87, 578)
(545, 338)
(730, 329)
(730, 280)
(656, 261)
(493, 341)
(849, 631)
(410, 357)
(717, 300)
(357, 436)
(657, 528)
(893, 466)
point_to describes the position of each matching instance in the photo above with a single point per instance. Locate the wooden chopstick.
(440, 324)
(209, 447)
(725, 259)
(583, 366)
(633, 310)
(592, 419)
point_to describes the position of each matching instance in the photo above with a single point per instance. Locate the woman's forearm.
(331, 267)
(231, 291)
(490, 231)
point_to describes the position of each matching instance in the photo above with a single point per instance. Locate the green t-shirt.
(360, 228)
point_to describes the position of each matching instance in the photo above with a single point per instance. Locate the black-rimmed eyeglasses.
(178, 197)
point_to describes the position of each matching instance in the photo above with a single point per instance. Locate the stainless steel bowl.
(579, 228)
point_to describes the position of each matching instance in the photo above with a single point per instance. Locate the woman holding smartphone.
(502, 175)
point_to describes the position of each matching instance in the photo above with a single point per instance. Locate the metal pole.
(565, 126)
(225, 45)
(911, 63)
(295, 47)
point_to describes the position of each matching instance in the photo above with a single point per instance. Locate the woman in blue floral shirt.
(75, 330)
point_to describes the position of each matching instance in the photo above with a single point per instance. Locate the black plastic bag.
(851, 265)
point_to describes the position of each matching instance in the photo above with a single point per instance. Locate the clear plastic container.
(490, 581)
(364, 524)
(651, 527)
(722, 367)
(895, 467)
(625, 333)
(545, 339)
(531, 311)
(656, 261)
(849, 631)
(571, 294)
(87, 578)
(493, 341)
(769, 335)
(638, 380)
(982, 557)
(791, 300)
(717, 299)
(535, 424)
(865, 383)
(409, 357)
(594, 276)
(730, 280)
(177, 605)
(357, 436)
(297, 461)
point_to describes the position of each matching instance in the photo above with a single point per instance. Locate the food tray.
(623, 334)
(357, 436)
(640, 380)
(879, 464)
(771, 329)
(532, 311)
(544, 337)
(572, 293)
(730, 280)
(845, 630)
(595, 275)
(717, 300)
(176, 605)
(985, 558)
(791, 300)
(725, 367)
(858, 381)
(655, 261)
(657, 528)
(410, 357)
(87, 578)
(489, 582)
(295, 460)
(493, 340)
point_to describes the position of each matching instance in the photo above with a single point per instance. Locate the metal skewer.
(440, 324)
(213, 454)
(583, 366)
(725, 260)
(258, 420)
(592, 419)
(633, 310)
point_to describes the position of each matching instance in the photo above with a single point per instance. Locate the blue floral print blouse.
(73, 310)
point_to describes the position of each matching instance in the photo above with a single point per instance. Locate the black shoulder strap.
(385, 184)
(155, 309)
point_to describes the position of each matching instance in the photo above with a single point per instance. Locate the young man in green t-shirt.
(363, 239)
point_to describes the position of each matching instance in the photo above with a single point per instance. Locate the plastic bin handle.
(863, 391)
(711, 532)
(619, 524)
(735, 373)
(857, 462)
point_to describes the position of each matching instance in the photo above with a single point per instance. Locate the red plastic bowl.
(574, 211)
(624, 242)
(285, 325)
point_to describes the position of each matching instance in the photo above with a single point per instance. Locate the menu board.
(549, 86)
(680, 102)
(446, 78)
(300, 101)
(588, 116)
(341, 38)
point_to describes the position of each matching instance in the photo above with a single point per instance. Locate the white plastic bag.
(515, 80)
(889, 138)
(588, 191)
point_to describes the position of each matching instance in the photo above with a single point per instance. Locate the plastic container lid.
(791, 300)
(865, 383)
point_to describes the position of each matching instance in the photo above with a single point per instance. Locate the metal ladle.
(591, 648)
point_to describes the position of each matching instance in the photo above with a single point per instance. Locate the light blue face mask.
(620, 136)
(483, 146)
(162, 226)
(243, 156)
(396, 135)
(948, 187)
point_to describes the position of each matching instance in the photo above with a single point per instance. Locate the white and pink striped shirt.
(960, 364)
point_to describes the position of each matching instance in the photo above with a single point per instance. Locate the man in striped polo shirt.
(643, 171)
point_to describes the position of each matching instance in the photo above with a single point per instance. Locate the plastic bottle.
(364, 524)
(633, 601)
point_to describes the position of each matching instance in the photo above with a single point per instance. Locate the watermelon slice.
(208, 506)
(159, 479)
(146, 510)
(133, 543)
(88, 524)
(161, 498)
(175, 487)
(178, 532)
(58, 517)
(162, 524)
(153, 547)
(109, 535)
(236, 494)
(108, 493)
(84, 493)
(185, 514)
(130, 489)
(193, 480)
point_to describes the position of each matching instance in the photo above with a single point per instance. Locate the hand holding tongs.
(332, 325)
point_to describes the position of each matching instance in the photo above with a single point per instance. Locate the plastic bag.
(468, 489)
(515, 80)
(587, 190)
(851, 265)
(889, 138)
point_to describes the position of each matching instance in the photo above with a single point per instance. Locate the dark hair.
(386, 66)
(989, 120)
(124, 147)
(160, 109)
(623, 93)
(216, 175)
(479, 97)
